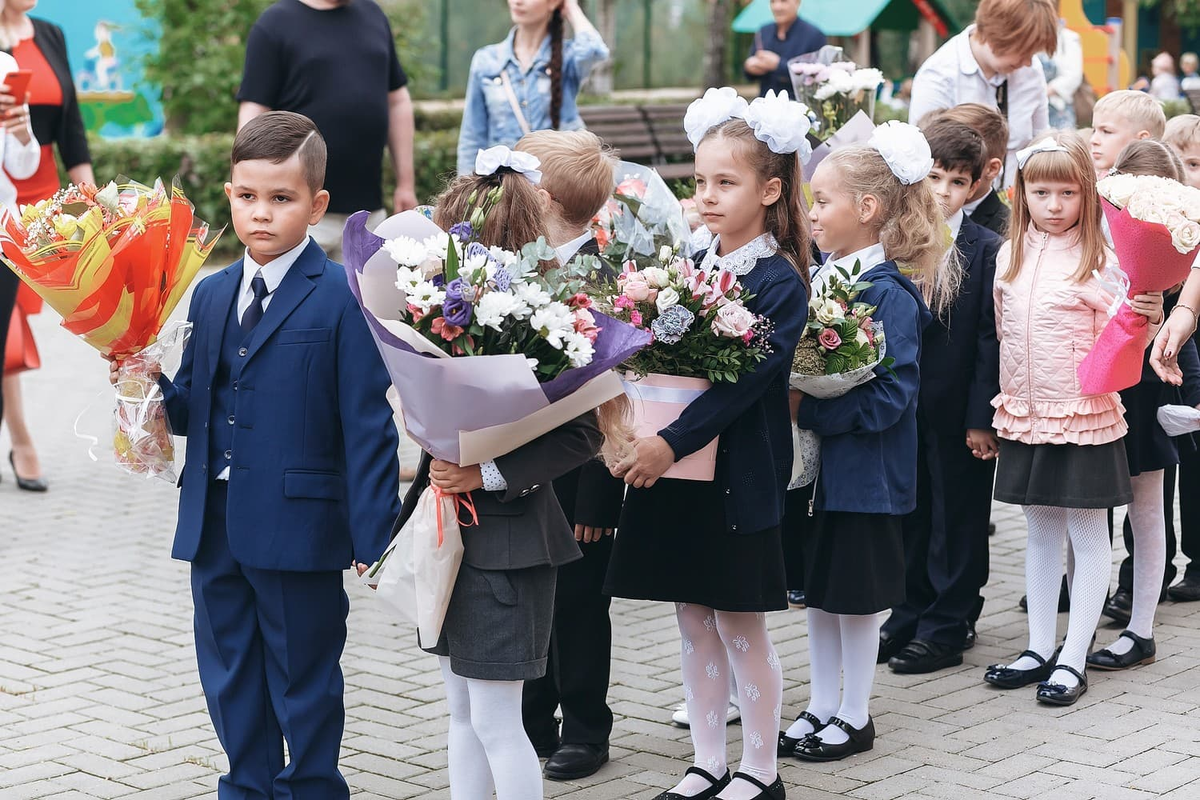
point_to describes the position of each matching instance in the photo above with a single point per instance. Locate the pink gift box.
(657, 401)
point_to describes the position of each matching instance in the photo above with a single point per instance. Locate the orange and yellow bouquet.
(114, 263)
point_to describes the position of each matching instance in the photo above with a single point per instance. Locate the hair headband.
(1047, 145)
(494, 159)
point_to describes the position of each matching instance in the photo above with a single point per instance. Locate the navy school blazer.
(960, 356)
(869, 434)
(314, 474)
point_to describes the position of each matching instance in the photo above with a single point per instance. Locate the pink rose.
(632, 187)
(829, 339)
(733, 321)
(580, 300)
(637, 289)
(623, 302)
(867, 326)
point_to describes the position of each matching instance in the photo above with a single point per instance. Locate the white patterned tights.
(713, 642)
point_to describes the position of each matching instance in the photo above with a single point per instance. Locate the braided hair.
(556, 60)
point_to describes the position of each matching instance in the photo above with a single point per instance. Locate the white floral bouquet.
(1163, 201)
(837, 88)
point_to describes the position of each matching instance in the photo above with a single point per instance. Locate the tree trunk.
(604, 17)
(720, 14)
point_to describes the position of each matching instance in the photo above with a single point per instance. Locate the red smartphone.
(17, 84)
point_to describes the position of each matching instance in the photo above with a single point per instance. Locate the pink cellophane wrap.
(657, 401)
(1146, 255)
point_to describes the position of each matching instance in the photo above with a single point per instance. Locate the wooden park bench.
(652, 135)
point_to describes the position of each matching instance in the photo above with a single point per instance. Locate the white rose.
(666, 298)
(494, 307)
(406, 251)
(656, 277)
(828, 312)
(665, 253)
(1117, 189)
(905, 150)
(1186, 237)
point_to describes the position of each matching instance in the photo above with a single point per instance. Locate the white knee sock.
(760, 696)
(470, 776)
(1088, 529)
(860, 648)
(496, 720)
(1043, 575)
(825, 670)
(705, 668)
(1148, 520)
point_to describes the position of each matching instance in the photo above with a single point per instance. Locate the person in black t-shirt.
(777, 43)
(334, 61)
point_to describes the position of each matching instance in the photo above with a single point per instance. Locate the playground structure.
(1105, 62)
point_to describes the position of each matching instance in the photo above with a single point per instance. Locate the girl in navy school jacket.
(871, 205)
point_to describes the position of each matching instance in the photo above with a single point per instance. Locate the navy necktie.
(255, 311)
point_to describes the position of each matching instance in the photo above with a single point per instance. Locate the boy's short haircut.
(1142, 109)
(1018, 26)
(278, 135)
(956, 147)
(577, 171)
(987, 121)
(1183, 132)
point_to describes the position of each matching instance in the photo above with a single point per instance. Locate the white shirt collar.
(567, 251)
(273, 272)
(742, 260)
(868, 258)
(970, 207)
(955, 223)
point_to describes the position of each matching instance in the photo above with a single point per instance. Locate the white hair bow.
(781, 124)
(1047, 145)
(488, 161)
(715, 107)
(905, 150)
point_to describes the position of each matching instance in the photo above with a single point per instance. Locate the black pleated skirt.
(1147, 446)
(853, 563)
(1063, 475)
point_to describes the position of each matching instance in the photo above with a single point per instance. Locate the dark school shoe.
(1055, 694)
(919, 657)
(717, 785)
(1142, 652)
(1005, 677)
(861, 740)
(787, 744)
(573, 761)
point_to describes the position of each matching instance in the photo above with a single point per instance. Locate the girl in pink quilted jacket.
(1062, 454)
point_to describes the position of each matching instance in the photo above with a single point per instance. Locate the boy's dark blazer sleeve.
(985, 382)
(536, 464)
(598, 497)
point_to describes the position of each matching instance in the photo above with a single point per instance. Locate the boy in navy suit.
(946, 537)
(984, 207)
(291, 472)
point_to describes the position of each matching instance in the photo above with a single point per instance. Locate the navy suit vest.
(229, 368)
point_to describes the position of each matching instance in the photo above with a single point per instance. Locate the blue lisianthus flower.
(672, 324)
(462, 230)
(456, 309)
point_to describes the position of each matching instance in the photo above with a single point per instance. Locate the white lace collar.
(742, 260)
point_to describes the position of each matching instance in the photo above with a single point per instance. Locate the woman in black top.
(777, 43)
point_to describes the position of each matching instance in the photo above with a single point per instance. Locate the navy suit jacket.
(960, 356)
(314, 480)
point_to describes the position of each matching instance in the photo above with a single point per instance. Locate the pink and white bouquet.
(640, 218)
(835, 88)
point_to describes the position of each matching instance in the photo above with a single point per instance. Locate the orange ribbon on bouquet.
(460, 502)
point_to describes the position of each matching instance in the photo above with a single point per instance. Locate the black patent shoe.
(811, 748)
(717, 785)
(574, 761)
(1119, 606)
(1142, 652)
(796, 599)
(788, 743)
(773, 792)
(919, 657)
(1009, 678)
(27, 484)
(1186, 591)
(888, 646)
(1056, 694)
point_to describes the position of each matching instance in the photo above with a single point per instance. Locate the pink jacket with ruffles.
(1047, 323)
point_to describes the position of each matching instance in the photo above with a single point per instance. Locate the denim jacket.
(488, 118)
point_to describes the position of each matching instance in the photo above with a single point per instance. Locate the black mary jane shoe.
(1009, 678)
(788, 743)
(27, 484)
(1142, 652)
(1055, 694)
(811, 748)
(717, 785)
(773, 792)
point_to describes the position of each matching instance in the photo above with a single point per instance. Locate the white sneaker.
(680, 716)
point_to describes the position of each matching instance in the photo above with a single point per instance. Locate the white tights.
(1147, 517)
(1092, 563)
(489, 750)
(713, 642)
(841, 648)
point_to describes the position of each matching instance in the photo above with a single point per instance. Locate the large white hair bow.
(1047, 145)
(715, 107)
(488, 161)
(905, 150)
(781, 124)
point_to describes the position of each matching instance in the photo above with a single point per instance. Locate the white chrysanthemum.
(438, 246)
(532, 294)
(839, 83)
(578, 348)
(867, 79)
(406, 251)
(408, 279)
(553, 322)
(425, 296)
(505, 257)
(495, 307)
(474, 263)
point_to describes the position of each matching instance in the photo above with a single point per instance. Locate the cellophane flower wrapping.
(114, 262)
(642, 216)
(834, 88)
(143, 442)
(1156, 235)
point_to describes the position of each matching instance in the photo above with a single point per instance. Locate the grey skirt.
(497, 626)
(1063, 475)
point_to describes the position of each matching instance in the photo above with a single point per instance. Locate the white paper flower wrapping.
(715, 107)
(905, 150)
(781, 124)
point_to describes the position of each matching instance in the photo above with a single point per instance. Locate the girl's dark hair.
(787, 218)
(556, 60)
(1149, 157)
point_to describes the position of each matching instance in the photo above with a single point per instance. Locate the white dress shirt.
(20, 160)
(566, 252)
(951, 76)
(955, 223)
(868, 257)
(273, 274)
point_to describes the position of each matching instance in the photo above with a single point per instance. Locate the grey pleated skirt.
(498, 623)
(1063, 475)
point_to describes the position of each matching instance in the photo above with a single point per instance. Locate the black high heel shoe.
(28, 484)
(1142, 652)
(717, 785)
(811, 748)
(773, 792)
(1056, 694)
(788, 743)
(1009, 678)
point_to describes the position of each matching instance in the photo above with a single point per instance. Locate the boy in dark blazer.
(946, 537)
(291, 471)
(985, 206)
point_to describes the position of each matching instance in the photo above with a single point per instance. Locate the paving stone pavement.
(99, 696)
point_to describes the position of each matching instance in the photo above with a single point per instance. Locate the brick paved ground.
(99, 696)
